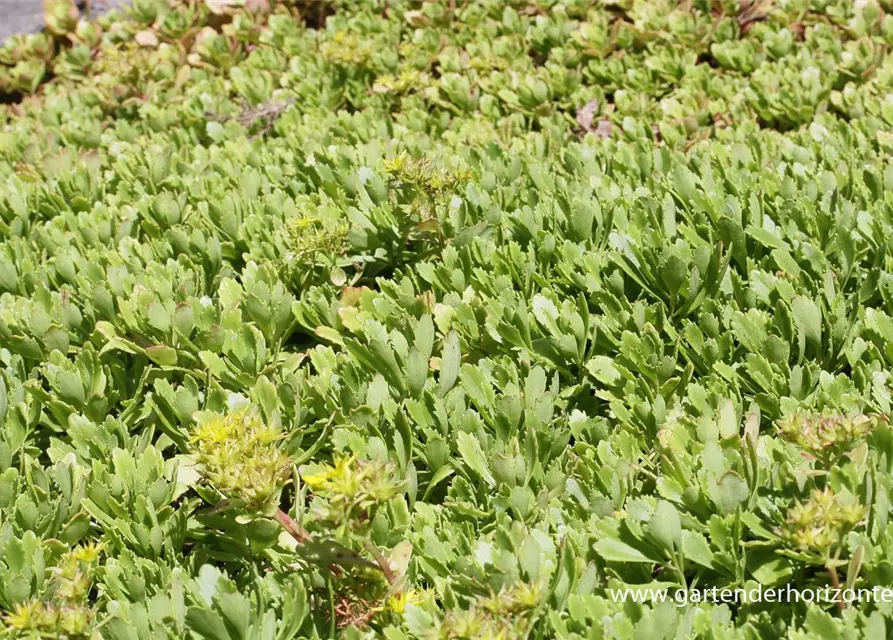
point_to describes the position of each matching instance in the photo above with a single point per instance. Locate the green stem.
(332, 621)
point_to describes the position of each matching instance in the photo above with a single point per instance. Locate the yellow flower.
(306, 221)
(24, 616)
(328, 477)
(317, 481)
(87, 553)
(217, 430)
(397, 603)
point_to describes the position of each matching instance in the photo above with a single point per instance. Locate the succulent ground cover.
(446, 319)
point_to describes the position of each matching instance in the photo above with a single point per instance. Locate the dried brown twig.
(267, 112)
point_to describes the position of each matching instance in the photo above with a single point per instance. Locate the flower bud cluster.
(239, 456)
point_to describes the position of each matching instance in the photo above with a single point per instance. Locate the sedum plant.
(417, 320)
(63, 611)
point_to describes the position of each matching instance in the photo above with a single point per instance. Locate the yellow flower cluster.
(38, 619)
(403, 83)
(239, 456)
(819, 433)
(435, 182)
(347, 49)
(309, 236)
(73, 576)
(349, 492)
(515, 600)
(63, 615)
(820, 523)
(497, 617)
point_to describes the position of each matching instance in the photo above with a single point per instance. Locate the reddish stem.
(298, 533)
(383, 564)
(291, 527)
(832, 573)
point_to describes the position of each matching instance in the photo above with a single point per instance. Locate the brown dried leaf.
(586, 114)
(257, 6)
(604, 129)
(752, 11)
(222, 6)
